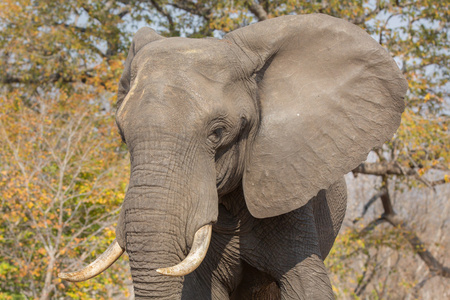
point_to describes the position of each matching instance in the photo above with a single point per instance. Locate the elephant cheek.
(229, 169)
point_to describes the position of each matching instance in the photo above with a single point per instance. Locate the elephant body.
(253, 258)
(251, 136)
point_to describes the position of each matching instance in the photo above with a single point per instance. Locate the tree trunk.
(48, 286)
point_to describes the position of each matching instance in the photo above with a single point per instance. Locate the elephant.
(238, 150)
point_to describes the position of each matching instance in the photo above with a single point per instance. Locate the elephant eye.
(216, 135)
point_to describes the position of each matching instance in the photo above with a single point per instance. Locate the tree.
(64, 164)
(62, 167)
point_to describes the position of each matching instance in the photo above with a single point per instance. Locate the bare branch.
(56, 77)
(165, 14)
(70, 26)
(418, 246)
(385, 168)
(437, 182)
(124, 11)
(362, 284)
(420, 284)
(193, 8)
(257, 10)
(366, 17)
(371, 226)
(386, 198)
(382, 169)
(368, 204)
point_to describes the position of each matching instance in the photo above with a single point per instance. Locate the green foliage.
(357, 258)
(61, 172)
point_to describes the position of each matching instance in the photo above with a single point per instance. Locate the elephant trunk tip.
(200, 245)
(102, 263)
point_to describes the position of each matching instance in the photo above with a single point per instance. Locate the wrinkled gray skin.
(252, 133)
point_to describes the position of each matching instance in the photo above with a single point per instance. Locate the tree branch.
(364, 18)
(386, 198)
(437, 182)
(70, 26)
(385, 168)
(257, 9)
(368, 204)
(420, 285)
(418, 246)
(165, 14)
(382, 169)
(56, 77)
(193, 8)
(371, 226)
(123, 11)
(11, 79)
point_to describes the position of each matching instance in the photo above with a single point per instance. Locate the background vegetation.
(63, 169)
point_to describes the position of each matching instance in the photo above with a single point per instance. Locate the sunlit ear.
(328, 94)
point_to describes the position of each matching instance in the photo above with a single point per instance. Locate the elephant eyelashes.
(216, 135)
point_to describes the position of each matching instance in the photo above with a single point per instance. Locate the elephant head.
(282, 109)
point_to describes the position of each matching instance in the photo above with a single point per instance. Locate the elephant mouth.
(200, 245)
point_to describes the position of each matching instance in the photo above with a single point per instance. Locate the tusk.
(102, 263)
(198, 252)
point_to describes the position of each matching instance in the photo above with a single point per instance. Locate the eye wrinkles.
(216, 135)
(224, 129)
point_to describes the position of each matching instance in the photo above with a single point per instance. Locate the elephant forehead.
(208, 57)
(179, 71)
(179, 81)
(181, 91)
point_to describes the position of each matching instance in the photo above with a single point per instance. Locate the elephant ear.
(142, 37)
(328, 94)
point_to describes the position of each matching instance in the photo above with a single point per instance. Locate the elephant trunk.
(149, 251)
(165, 222)
(166, 216)
(155, 284)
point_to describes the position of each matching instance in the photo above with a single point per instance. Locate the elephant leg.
(197, 286)
(307, 280)
(287, 248)
(256, 285)
(329, 210)
(219, 273)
